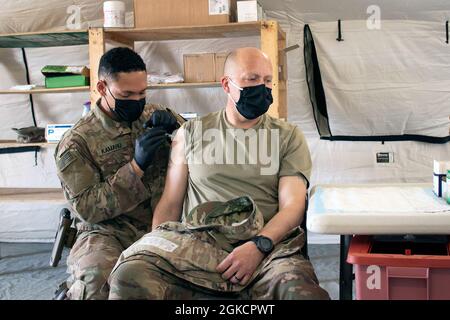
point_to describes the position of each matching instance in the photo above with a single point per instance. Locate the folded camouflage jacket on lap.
(192, 249)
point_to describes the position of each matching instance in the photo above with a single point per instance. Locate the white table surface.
(403, 208)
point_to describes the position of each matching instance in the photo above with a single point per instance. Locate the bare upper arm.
(291, 192)
(177, 173)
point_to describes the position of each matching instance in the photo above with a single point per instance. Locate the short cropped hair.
(119, 60)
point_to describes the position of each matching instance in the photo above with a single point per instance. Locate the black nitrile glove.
(164, 119)
(146, 146)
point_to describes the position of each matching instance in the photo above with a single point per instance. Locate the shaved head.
(242, 59)
(244, 67)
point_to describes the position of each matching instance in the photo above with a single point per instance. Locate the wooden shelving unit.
(273, 43)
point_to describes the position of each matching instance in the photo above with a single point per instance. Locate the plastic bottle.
(114, 14)
(86, 108)
(448, 186)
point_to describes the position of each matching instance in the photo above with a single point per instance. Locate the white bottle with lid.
(114, 13)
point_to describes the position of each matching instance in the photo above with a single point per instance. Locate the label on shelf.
(54, 132)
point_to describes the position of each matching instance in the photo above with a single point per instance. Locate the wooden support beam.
(270, 45)
(96, 50)
(282, 77)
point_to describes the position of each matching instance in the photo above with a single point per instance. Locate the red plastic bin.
(394, 272)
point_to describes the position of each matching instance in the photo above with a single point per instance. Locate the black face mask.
(127, 110)
(254, 101)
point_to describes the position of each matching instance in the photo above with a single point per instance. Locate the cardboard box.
(66, 81)
(166, 13)
(199, 67)
(249, 11)
(220, 63)
(54, 132)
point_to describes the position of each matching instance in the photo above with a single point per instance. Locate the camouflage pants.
(90, 262)
(289, 278)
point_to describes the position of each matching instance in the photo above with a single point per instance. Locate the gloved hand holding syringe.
(161, 126)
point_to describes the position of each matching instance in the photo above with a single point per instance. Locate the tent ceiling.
(326, 10)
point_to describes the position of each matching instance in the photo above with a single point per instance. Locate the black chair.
(304, 250)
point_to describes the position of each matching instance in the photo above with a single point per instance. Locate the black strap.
(446, 31)
(21, 149)
(339, 38)
(405, 137)
(28, 82)
(315, 86)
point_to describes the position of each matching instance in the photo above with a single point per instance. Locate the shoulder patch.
(66, 159)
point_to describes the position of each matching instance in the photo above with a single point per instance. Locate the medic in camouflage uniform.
(112, 171)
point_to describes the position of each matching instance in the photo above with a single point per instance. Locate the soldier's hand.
(147, 145)
(164, 119)
(241, 263)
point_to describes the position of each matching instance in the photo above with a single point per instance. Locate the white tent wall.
(387, 81)
(334, 162)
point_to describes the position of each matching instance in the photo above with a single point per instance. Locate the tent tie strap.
(339, 38)
(446, 31)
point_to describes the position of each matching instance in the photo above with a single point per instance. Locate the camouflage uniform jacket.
(192, 249)
(93, 164)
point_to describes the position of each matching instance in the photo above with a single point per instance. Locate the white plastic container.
(114, 14)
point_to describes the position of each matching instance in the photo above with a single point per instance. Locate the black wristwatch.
(264, 244)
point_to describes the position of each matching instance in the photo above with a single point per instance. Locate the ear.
(101, 88)
(225, 84)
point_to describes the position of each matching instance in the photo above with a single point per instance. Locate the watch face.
(266, 244)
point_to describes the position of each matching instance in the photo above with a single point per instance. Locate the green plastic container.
(66, 81)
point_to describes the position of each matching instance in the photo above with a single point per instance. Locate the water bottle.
(86, 108)
(448, 186)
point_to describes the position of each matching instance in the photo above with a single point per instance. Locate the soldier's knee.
(128, 271)
(289, 279)
(93, 290)
(90, 284)
(135, 279)
(303, 291)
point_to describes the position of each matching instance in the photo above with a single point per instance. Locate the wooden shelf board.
(44, 39)
(46, 90)
(14, 144)
(184, 85)
(86, 89)
(241, 29)
(31, 194)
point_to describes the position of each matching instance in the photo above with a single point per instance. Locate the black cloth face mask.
(127, 110)
(254, 101)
